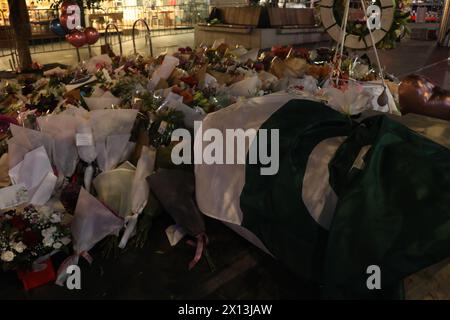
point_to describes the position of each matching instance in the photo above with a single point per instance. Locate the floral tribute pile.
(78, 144)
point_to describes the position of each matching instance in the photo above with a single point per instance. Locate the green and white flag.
(346, 195)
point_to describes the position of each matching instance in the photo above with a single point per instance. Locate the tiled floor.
(421, 57)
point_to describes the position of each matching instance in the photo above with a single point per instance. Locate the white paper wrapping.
(101, 60)
(111, 130)
(125, 190)
(246, 88)
(110, 149)
(109, 122)
(114, 189)
(91, 223)
(105, 100)
(218, 187)
(175, 102)
(174, 234)
(36, 174)
(13, 196)
(375, 90)
(23, 141)
(164, 70)
(62, 128)
(139, 191)
(86, 151)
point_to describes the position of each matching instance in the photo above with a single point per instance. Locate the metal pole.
(78, 55)
(118, 34)
(148, 34)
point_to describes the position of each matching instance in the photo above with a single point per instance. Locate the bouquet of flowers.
(28, 235)
(98, 120)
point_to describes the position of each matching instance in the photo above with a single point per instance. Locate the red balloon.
(76, 38)
(92, 35)
(63, 20)
(65, 5)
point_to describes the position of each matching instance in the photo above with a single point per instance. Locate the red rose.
(187, 97)
(18, 223)
(176, 89)
(280, 52)
(302, 53)
(31, 239)
(5, 121)
(99, 65)
(191, 81)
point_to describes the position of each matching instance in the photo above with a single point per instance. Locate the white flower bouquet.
(28, 236)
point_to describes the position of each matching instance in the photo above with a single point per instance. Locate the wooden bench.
(261, 27)
(263, 17)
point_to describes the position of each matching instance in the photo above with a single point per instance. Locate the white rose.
(65, 241)
(46, 233)
(57, 245)
(48, 241)
(55, 218)
(360, 71)
(313, 55)
(7, 256)
(19, 247)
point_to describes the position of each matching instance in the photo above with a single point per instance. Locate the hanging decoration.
(92, 35)
(57, 28)
(76, 38)
(70, 15)
(64, 6)
(74, 17)
(383, 17)
(70, 20)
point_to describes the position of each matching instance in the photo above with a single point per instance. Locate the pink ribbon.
(87, 256)
(202, 241)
